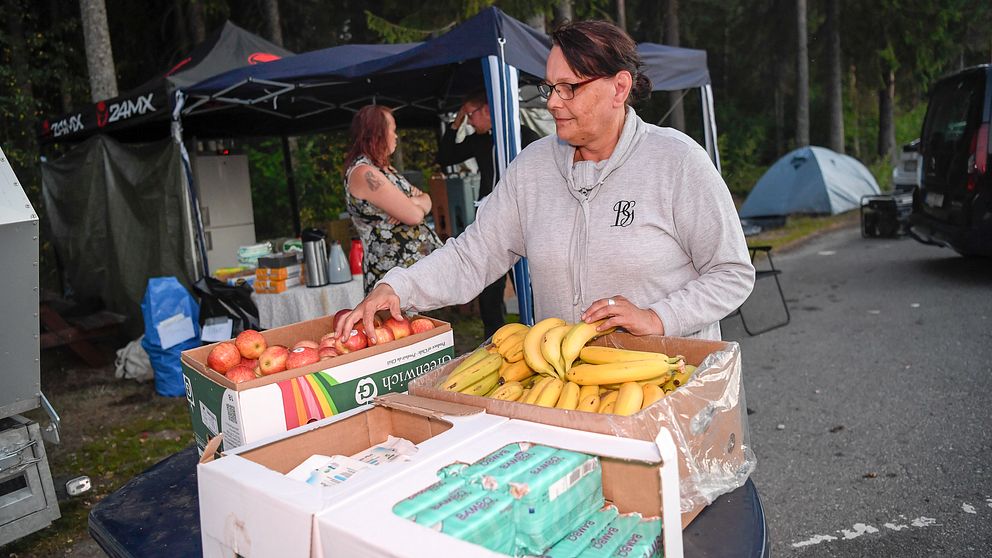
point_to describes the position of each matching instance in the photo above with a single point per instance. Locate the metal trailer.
(28, 498)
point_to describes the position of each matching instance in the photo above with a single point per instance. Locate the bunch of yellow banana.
(550, 365)
(509, 341)
(551, 346)
(478, 374)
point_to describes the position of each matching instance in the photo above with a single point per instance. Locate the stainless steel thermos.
(315, 257)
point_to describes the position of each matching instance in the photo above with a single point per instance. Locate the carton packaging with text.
(249, 411)
(250, 507)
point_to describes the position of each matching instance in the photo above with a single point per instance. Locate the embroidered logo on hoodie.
(625, 213)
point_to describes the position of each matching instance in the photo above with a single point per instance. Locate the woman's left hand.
(621, 312)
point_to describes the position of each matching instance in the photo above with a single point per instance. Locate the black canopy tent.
(119, 203)
(144, 113)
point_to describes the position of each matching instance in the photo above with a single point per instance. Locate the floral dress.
(386, 245)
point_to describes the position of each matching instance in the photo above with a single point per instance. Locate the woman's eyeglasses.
(564, 90)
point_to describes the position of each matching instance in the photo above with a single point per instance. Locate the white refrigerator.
(224, 188)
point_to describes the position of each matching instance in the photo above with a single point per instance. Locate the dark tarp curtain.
(117, 215)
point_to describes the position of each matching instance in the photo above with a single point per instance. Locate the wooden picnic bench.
(60, 328)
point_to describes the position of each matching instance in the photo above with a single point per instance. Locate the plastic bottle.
(355, 256)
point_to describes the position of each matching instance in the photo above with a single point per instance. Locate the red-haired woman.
(387, 210)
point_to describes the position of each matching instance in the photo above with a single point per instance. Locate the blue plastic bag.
(169, 313)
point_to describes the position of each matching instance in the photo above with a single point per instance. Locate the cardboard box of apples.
(265, 383)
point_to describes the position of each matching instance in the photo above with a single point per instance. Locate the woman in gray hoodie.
(617, 218)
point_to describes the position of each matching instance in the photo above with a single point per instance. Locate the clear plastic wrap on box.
(707, 417)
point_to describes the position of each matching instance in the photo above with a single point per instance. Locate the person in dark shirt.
(480, 145)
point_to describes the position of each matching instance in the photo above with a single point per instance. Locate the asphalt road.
(870, 411)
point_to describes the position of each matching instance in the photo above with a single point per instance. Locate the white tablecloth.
(302, 303)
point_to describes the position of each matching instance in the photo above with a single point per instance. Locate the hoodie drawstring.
(577, 251)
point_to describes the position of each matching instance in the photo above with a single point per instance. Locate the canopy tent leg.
(502, 88)
(709, 125)
(200, 265)
(294, 206)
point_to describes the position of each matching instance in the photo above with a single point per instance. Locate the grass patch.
(110, 454)
(802, 227)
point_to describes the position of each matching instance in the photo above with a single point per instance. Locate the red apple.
(327, 340)
(400, 328)
(223, 357)
(339, 315)
(273, 360)
(306, 343)
(250, 343)
(382, 335)
(355, 342)
(240, 373)
(301, 356)
(420, 325)
(327, 352)
(249, 362)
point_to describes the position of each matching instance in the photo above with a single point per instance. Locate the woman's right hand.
(382, 297)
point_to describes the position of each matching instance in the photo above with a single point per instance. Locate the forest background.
(848, 75)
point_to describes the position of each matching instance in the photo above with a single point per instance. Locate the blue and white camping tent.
(419, 81)
(813, 180)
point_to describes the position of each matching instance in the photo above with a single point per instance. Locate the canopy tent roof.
(323, 89)
(144, 112)
(419, 79)
(673, 68)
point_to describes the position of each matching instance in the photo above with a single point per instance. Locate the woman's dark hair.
(600, 48)
(368, 136)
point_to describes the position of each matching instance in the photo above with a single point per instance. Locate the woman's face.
(585, 117)
(390, 133)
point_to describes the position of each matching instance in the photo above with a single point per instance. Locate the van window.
(953, 117)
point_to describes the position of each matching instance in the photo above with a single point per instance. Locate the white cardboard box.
(367, 527)
(249, 508)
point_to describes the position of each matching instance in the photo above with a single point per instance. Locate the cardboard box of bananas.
(551, 364)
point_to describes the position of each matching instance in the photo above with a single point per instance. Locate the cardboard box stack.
(517, 487)
(278, 272)
(480, 476)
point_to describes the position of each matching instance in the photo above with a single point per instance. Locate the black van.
(953, 206)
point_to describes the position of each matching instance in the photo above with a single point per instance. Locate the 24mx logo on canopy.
(122, 110)
(67, 125)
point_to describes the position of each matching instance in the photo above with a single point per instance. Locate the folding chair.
(770, 272)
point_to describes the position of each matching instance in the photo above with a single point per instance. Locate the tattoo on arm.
(372, 180)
